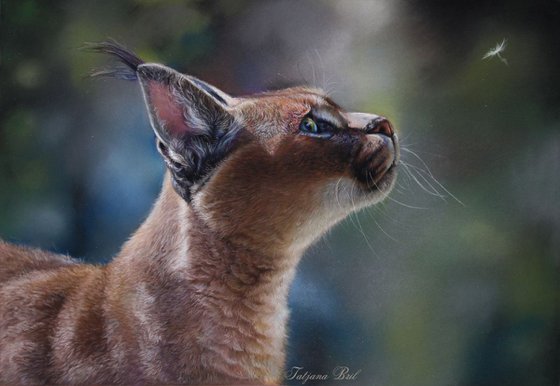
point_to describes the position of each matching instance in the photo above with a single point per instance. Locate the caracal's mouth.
(376, 165)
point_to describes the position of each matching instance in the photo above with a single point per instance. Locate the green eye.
(319, 129)
(308, 125)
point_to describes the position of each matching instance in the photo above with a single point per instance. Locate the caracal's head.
(273, 170)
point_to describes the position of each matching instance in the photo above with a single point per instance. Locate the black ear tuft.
(124, 55)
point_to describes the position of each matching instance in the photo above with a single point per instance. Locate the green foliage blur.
(453, 280)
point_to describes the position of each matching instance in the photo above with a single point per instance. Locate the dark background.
(420, 290)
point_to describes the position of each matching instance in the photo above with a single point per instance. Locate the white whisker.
(386, 196)
(429, 173)
(381, 228)
(441, 186)
(433, 191)
(360, 228)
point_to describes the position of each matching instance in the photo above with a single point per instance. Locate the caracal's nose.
(380, 125)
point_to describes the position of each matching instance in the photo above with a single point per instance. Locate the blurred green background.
(420, 290)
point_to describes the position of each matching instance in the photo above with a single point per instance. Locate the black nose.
(380, 125)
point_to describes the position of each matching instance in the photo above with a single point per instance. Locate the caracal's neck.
(175, 240)
(232, 294)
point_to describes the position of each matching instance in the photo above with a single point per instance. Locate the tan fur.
(198, 294)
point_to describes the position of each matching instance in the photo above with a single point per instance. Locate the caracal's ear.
(179, 107)
(190, 118)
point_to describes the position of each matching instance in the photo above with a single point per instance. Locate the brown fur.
(198, 294)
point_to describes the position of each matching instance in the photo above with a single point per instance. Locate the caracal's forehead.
(268, 114)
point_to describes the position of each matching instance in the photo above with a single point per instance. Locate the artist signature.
(339, 373)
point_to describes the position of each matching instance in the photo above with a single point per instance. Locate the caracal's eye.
(308, 125)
